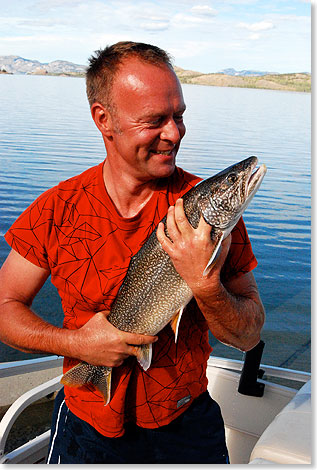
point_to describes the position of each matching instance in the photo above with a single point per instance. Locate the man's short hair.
(105, 63)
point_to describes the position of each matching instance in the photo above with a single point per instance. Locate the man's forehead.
(146, 86)
(133, 81)
(135, 73)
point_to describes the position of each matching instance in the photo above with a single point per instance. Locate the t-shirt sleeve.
(29, 233)
(240, 259)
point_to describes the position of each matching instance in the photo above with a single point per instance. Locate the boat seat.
(287, 440)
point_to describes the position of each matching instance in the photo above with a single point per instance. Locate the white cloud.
(155, 25)
(45, 5)
(198, 36)
(184, 20)
(204, 10)
(290, 18)
(239, 2)
(22, 39)
(189, 49)
(259, 26)
(254, 36)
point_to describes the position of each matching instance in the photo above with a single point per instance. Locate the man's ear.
(102, 118)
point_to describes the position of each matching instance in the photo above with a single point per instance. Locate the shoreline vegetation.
(300, 82)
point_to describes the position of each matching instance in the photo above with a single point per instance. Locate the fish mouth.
(255, 178)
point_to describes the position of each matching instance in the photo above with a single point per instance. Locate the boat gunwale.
(10, 369)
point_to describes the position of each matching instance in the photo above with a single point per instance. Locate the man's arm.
(233, 310)
(97, 342)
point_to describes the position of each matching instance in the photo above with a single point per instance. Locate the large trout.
(153, 293)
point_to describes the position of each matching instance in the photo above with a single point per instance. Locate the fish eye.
(232, 178)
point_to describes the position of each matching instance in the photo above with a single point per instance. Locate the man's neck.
(127, 193)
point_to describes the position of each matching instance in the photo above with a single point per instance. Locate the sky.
(204, 35)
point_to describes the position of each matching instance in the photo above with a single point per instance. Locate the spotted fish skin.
(153, 292)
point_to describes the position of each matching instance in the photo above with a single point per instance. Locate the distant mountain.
(225, 78)
(245, 73)
(19, 65)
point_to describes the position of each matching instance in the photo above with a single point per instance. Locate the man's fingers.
(203, 226)
(181, 220)
(171, 224)
(105, 312)
(162, 238)
(134, 351)
(131, 338)
(177, 223)
(135, 339)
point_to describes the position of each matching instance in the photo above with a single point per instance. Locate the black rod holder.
(251, 371)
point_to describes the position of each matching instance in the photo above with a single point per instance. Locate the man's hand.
(98, 342)
(234, 311)
(190, 249)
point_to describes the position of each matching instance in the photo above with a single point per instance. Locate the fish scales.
(141, 305)
(153, 293)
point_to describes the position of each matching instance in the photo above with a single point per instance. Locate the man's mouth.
(162, 152)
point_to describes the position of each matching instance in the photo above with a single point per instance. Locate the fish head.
(224, 197)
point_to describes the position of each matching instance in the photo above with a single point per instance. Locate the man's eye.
(178, 118)
(156, 122)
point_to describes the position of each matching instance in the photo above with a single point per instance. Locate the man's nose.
(172, 131)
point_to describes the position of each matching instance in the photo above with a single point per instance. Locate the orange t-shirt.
(75, 232)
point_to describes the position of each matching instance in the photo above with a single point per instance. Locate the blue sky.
(203, 35)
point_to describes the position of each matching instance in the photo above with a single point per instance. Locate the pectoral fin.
(84, 373)
(215, 254)
(176, 321)
(144, 355)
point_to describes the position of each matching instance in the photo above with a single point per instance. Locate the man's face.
(147, 122)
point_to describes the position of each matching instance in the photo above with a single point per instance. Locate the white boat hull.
(254, 425)
(246, 417)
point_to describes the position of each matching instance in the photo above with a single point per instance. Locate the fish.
(153, 294)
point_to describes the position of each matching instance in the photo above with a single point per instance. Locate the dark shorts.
(197, 436)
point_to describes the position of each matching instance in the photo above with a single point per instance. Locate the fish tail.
(84, 373)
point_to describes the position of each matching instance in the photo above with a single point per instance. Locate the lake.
(47, 135)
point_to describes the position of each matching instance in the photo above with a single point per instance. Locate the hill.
(285, 81)
(19, 65)
(226, 78)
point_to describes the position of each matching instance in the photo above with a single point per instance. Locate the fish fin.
(103, 384)
(144, 355)
(77, 375)
(84, 373)
(214, 256)
(176, 321)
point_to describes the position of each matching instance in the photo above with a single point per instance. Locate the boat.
(266, 409)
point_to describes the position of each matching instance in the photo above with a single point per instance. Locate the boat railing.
(15, 410)
(35, 450)
(271, 371)
(8, 369)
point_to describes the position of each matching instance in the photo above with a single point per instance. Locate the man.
(84, 232)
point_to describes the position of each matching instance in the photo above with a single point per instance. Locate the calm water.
(47, 135)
